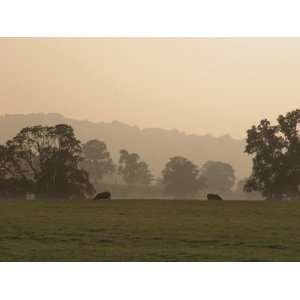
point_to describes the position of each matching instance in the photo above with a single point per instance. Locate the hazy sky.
(218, 86)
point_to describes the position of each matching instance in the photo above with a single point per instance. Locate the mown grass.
(149, 230)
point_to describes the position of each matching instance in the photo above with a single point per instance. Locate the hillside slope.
(154, 145)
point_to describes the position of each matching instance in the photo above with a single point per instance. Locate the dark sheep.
(103, 196)
(214, 197)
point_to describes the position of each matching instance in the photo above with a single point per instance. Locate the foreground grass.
(144, 230)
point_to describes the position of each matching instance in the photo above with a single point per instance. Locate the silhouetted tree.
(180, 178)
(11, 183)
(276, 161)
(47, 158)
(133, 170)
(6, 181)
(3, 161)
(219, 176)
(97, 161)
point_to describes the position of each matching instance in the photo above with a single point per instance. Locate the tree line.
(50, 161)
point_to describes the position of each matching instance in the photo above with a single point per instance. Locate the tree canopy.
(46, 159)
(219, 176)
(97, 161)
(276, 157)
(133, 170)
(181, 178)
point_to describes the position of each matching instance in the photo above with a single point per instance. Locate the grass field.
(144, 230)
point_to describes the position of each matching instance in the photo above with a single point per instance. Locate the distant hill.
(154, 145)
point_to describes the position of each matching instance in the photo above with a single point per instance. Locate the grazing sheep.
(214, 197)
(103, 196)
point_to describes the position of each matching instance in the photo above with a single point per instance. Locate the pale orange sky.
(217, 86)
